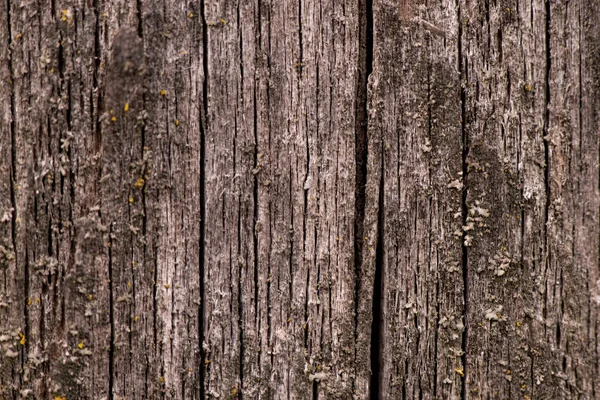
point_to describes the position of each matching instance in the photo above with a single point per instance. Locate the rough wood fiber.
(528, 163)
(280, 198)
(415, 149)
(299, 199)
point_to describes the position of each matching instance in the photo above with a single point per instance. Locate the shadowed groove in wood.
(547, 164)
(236, 147)
(255, 209)
(202, 124)
(111, 351)
(362, 151)
(12, 181)
(365, 67)
(463, 69)
(378, 293)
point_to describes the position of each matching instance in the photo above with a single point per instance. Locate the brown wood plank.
(229, 201)
(523, 106)
(504, 67)
(415, 155)
(11, 310)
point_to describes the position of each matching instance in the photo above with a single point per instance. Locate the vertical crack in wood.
(72, 224)
(240, 305)
(203, 123)
(522, 233)
(26, 277)
(546, 139)
(305, 325)
(547, 120)
(300, 44)
(64, 152)
(13, 174)
(315, 260)
(270, 205)
(304, 223)
(111, 351)
(255, 224)
(365, 68)
(575, 190)
(139, 14)
(436, 335)
(49, 209)
(361, 160)
(155, 299)
(255, 231)
(376, 331)
(96, 123)
(240, 266)
(431, 234)
(291, 259)
(336, 186)
(404, 380)
(463, 69)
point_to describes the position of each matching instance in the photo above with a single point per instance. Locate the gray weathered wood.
(299, 199)
(415, 149)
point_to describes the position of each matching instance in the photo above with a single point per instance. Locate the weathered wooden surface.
(299, 199)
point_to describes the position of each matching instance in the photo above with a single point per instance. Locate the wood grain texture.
(299, 199)
(415, 138)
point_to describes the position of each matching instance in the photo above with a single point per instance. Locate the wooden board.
(299, 199)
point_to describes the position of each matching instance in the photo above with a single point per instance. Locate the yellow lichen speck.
(80, 345)
(459, 371)
(60, 398)
(176, 122)
(139, 183)
(91, 296)
(131, 199)
(136, 318)
(126, 108)
(23, 340)
(163, 92)
(167, 286)
(191, 15)
(114, 119)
